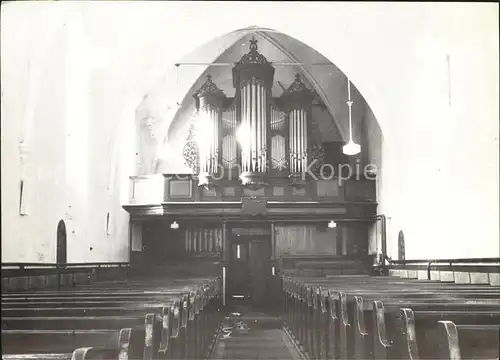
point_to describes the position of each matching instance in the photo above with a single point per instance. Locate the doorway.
(249, 269)
(61, 243)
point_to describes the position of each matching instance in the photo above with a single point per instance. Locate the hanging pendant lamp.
(351, 148)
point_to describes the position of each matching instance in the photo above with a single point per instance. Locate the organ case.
(253, 135)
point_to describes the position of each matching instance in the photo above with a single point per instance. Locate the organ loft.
(176, 187)
(263, 187)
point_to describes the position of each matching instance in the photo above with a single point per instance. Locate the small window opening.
(108, 227)
(22, 200)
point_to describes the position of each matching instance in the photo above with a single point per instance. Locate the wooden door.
(260, 271)
(239, 271)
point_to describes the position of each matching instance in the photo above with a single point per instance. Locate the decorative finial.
(298, 86)
(209, 87)
(253, 43)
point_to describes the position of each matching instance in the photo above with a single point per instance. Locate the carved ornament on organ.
(253, 135)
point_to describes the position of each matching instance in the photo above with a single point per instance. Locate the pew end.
(90, 353)
(37, 356)
(468, 341)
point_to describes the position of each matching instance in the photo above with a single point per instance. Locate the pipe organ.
(253, 78)
(296, 102)
(279, 149)
(210, 105)
(229, 145)
(253, 133)
(203, 239)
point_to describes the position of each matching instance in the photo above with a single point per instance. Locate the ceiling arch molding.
(304, 37)
(310, 78)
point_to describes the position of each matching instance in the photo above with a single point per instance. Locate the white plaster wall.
(31, 108)
(439, 181)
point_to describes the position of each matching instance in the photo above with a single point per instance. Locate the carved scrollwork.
(297, 96)
(279, 164)
(209, 95)
(210, 88)
(317, 157)
(190, 151)
(253, 65)
(253, 56)
(298, 86)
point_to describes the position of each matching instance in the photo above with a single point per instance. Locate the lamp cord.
(349, 103)
(177, 85)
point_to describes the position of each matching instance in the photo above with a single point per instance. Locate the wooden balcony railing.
(155, 189)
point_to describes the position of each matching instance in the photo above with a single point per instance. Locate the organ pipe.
(253, 123)
(297, 101)
(253, 77)
(229, 123)
(210, 105)
(204, 240)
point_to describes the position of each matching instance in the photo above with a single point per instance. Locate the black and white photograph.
(250, 180)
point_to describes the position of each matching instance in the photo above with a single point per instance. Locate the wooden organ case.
(253, 136)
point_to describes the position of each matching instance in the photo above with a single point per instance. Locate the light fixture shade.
(351, 148)
(332, 224)
(174, 225)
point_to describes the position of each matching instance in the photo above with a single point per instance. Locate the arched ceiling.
(277, 51)
(330, 112)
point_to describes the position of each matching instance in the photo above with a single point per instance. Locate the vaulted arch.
(160, 122)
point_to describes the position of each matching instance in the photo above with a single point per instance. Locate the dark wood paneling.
(305, 240)
(281, 189)
(275, 210)
(360, 190)
(179, 188)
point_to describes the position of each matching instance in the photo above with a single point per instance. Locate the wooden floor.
(250, 335)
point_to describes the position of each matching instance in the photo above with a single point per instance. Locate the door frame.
(246, 233)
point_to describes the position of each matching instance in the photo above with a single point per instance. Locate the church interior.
(232, 180)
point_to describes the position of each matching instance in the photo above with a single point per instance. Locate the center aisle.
(249, 335)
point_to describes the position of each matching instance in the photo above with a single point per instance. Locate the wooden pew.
(349, 327)
(139, 341)
(419, 337)
(467, 341)
(92, 353)
(78, 300)
(315, 340)
(303, 331)
(355, 310)
(86, 353)
(133, 309)
(118, 321)
(50, 341)
(352, 320)
(383, 329)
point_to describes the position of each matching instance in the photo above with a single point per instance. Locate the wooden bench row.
(140, 320)
(362, 317)
(43, 278)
